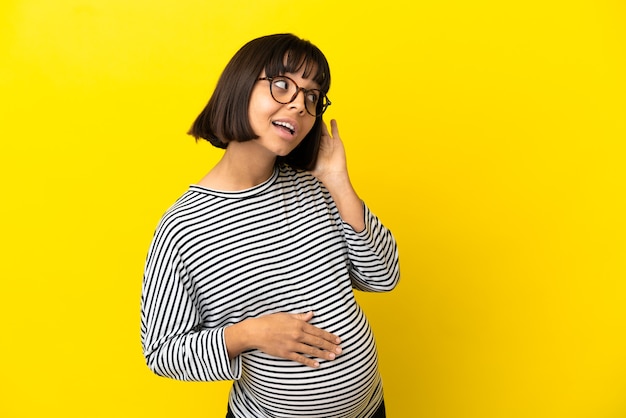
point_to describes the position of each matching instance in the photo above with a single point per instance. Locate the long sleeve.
(173, 341)
(373, 254)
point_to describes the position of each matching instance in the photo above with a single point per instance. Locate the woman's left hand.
(331, 160)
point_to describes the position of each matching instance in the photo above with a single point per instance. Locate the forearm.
(348, 203)
(195, 356)
(237, 338)
(374, 256)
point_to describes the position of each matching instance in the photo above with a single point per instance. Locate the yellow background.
(488, 135)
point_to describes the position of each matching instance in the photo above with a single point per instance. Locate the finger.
(305, 360)
(317, 337)
(325, 131)
(306, 354)
(328, 343)
(318, 332)
(314, 352)
(304, 316)
(334, 128)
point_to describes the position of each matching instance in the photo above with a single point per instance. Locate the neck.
(239, 170)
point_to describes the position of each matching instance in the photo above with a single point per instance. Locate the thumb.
(304, 316)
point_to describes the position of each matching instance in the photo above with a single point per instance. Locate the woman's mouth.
(286, 126)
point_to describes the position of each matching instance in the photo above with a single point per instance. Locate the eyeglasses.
(284, 90)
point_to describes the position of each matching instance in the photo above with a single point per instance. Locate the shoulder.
(187, 212)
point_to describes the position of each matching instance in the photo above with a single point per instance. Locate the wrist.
(348, 202)
(337, 182)
(237, 338)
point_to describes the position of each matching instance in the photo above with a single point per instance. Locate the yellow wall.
(489, 135)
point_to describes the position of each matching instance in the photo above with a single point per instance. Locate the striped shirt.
(218, 258)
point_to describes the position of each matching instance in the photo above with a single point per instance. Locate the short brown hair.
(225, 117)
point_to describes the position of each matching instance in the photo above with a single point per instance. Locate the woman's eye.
(281, 84)
(312, 97)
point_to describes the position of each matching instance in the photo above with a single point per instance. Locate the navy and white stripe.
(218, 258)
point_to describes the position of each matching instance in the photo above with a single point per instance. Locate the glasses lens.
(312, 101)
(284, 90)
(321, 105)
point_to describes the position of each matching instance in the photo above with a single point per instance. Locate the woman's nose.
(299, 102)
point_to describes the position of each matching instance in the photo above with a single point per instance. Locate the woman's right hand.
(288, 336)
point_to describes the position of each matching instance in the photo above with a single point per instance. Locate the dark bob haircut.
(225, 118)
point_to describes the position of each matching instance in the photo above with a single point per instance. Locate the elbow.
(396, 277)
(391, 284)
(158, 365)
(394, 273)
(153, 365)
(392, 280)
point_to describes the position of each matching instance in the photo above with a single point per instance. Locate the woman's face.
(280, 127)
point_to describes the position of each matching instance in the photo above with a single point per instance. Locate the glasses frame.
(323, 97)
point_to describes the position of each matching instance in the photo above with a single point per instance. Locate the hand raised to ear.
(331, 159)
(332, 170)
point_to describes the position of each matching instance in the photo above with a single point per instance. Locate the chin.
(283, 152)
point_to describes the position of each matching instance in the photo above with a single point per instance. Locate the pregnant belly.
(342, 387)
